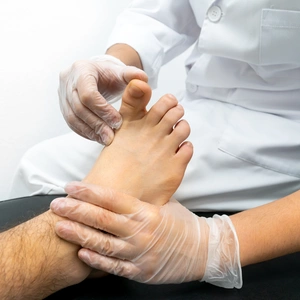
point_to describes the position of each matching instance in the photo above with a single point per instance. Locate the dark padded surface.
(275, 279)
(16, 211)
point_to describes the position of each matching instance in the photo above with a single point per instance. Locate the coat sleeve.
(159, 30)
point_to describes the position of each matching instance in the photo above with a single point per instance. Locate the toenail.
(135, 91)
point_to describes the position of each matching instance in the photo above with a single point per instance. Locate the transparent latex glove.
(86, 90)
(143, 242)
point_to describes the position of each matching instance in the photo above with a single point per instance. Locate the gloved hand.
(87, 88)
(148, 243)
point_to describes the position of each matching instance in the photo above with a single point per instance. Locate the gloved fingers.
(109, 264)
(85, 131)
(90, 97)
(166, 244)
(129, 73)
(77, 125)
(100, 129)
(104, 197)
(93, 216)
(81, 87)
(63, 85)
(93, 239)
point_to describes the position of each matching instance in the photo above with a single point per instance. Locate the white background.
(38, 40)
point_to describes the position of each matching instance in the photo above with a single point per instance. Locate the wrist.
(108, 57)
(125, 54)
(272, 227)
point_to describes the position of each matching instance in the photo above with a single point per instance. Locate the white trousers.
(214, 180)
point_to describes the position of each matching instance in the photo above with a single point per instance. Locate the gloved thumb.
(129, 73)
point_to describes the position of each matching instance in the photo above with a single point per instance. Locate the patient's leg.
(146, 158)
(35, 262)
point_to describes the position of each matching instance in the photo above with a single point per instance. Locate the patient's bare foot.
(146, 158)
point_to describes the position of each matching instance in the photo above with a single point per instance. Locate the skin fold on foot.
(148, 156)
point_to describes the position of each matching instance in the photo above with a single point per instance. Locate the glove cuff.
(223, 267)
(107, 57)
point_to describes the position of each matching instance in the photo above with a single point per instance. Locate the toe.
(179, 134)
(134, 100)
(161, 107)
(185, 153)
(170, 119)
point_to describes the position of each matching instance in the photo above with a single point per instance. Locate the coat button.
(192, 88)
(214, 14)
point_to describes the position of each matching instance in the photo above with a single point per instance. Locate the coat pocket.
(266, 140)
(280, 37)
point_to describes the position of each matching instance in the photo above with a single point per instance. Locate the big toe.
(135, 99)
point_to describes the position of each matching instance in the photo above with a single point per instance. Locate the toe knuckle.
(169, 119)
(155, 110)
(170, 101)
